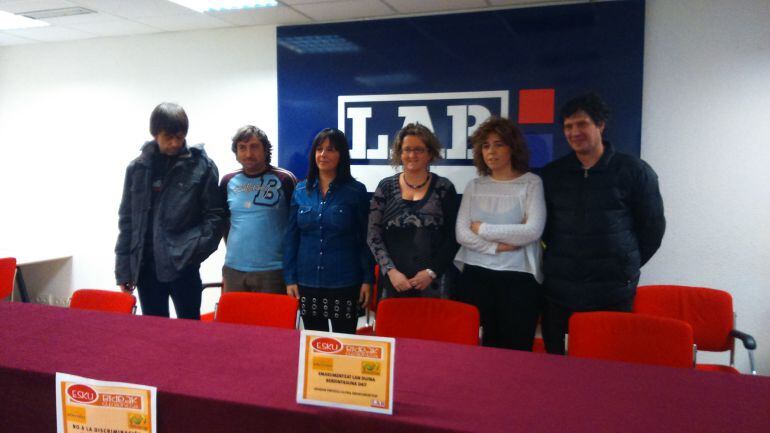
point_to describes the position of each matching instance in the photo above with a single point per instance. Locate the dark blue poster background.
(557, 52)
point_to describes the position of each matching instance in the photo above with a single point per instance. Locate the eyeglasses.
(415, 150)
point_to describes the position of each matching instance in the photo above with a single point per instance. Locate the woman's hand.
(127, 287)
(421, 281)
(293, 291)
(399, 280)
(364, 294)
(475, 226)
(501, 247)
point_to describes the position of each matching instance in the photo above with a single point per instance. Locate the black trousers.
(556, 323)
(509, 303)
(185, 292)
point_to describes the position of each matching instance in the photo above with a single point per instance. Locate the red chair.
(538, 345)
(103, 300)
(262, 309)
(7, 275)
(428, 319)
(708, 311)
(631, 338)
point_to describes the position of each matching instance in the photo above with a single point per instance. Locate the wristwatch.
(431, 273)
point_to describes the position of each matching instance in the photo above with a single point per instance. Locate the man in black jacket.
(605, 220)
(170, 219)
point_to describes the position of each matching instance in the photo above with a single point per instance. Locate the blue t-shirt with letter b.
(258, 211)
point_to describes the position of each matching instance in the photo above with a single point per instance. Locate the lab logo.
(82, 393)
(371, 120)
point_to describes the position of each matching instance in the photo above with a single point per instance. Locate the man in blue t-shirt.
(258, 198)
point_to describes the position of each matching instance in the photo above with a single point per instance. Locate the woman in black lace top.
(412, 218)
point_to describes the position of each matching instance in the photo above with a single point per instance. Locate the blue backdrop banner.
(451, 72)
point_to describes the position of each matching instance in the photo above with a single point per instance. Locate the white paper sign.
(346, 371)
(86, 405)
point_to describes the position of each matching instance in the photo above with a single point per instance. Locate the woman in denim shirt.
(326, 261)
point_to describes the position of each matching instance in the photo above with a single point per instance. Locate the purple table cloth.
(214, 377)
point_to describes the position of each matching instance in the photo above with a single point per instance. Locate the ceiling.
(131, 17)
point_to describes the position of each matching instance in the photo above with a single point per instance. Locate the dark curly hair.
(511, 136)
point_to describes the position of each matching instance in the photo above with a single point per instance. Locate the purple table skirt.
(214, 377)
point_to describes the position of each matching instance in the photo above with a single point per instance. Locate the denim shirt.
(325, 241)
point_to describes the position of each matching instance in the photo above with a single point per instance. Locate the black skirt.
(323, 303)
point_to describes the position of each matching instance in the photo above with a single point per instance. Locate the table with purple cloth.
(214, 377)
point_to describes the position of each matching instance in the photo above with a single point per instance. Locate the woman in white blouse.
(499, 225)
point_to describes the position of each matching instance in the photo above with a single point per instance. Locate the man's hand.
(293, 291)
(127, 287)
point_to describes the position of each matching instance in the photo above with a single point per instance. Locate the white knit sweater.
(511, 212)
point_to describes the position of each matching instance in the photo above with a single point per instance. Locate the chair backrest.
(631, 338)
(103, 300)
(428, 319)
(708, 311)
(7, 274)
(262, 309)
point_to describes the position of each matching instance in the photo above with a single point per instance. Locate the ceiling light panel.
(10, 21)
(56, 13)
(223, 5)
(321, 44)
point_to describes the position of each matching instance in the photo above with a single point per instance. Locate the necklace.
(416, 186)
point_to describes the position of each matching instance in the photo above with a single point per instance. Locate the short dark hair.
(424, 134)
(591, 104)
(340, 143)
(248, 131)
(511, 136)
(169, 118)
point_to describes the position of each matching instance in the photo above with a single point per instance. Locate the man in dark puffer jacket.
(605, 220)
(170, 219)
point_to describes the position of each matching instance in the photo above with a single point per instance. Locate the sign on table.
(86, 405)
(346, 371)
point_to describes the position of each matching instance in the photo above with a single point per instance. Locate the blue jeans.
(185, 292)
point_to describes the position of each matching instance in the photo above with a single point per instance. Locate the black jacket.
(603, 224)
(188, 221)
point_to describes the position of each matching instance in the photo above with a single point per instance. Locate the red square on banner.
(536, 105)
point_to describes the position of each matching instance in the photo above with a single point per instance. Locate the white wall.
(73, 114)
(706, 131)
